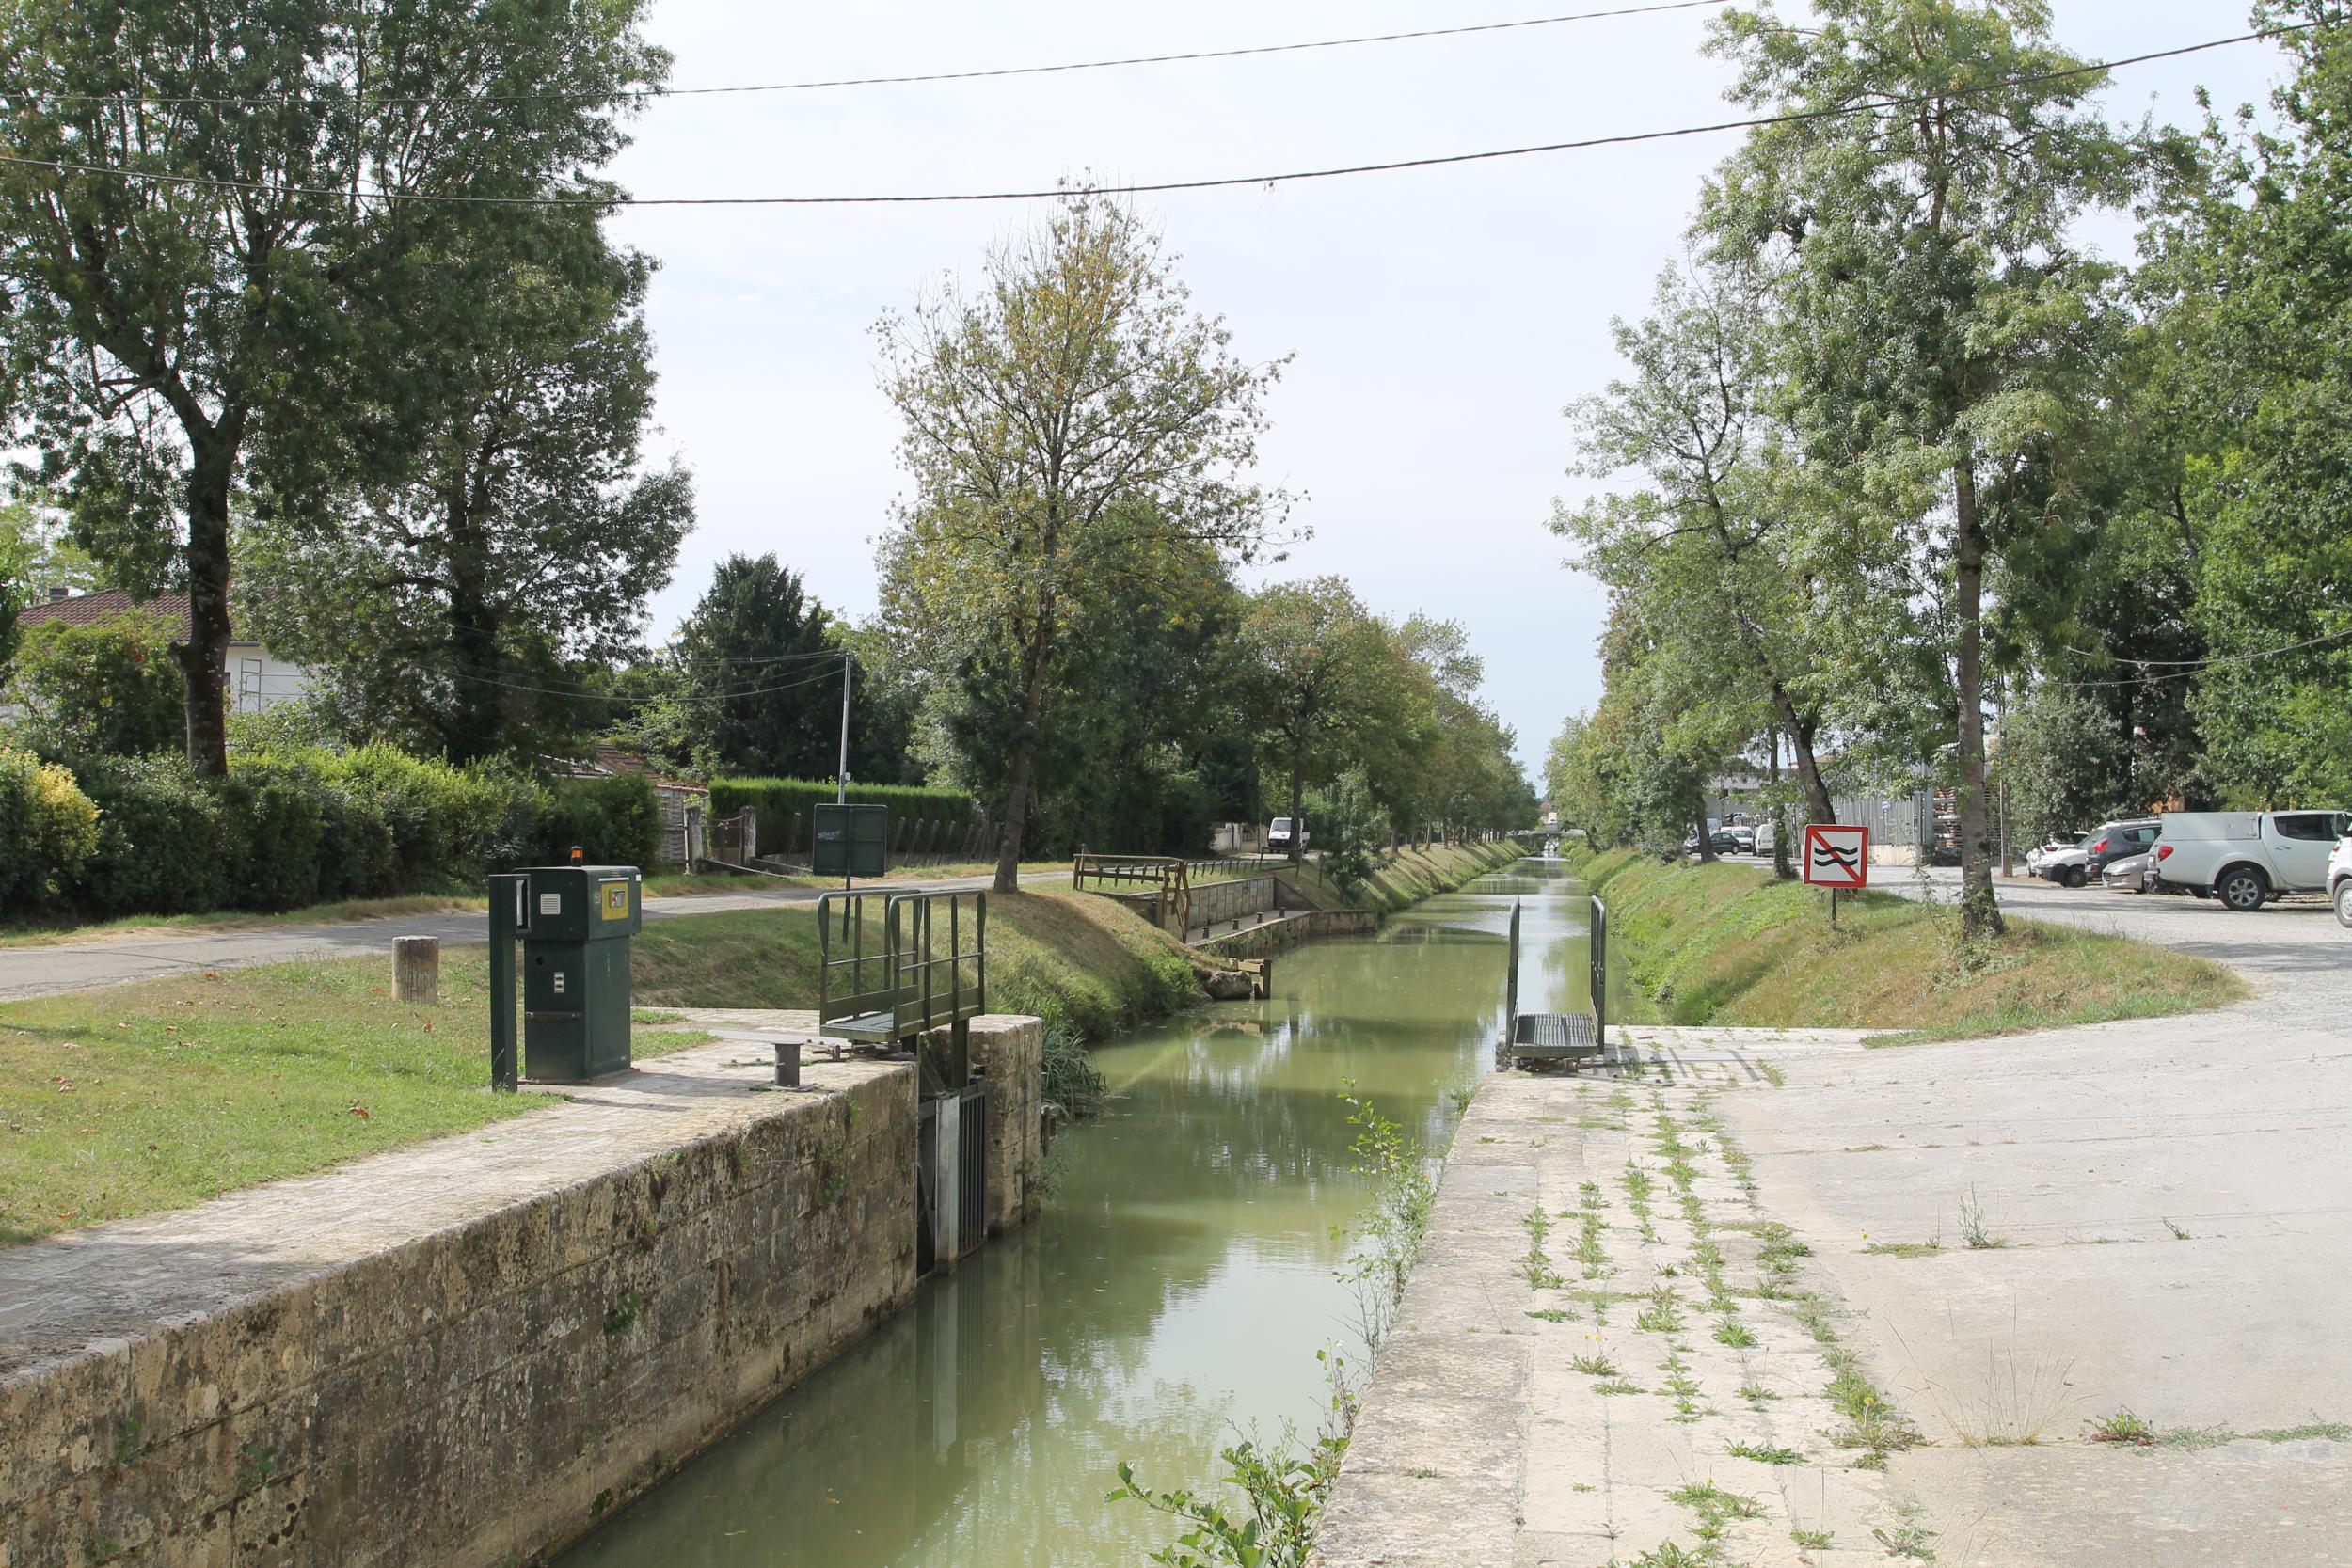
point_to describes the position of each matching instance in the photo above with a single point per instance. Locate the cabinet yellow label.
(616, 901)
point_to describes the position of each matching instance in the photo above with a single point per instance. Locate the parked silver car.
(2127, 875)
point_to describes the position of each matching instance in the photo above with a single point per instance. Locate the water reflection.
(1177, 1286)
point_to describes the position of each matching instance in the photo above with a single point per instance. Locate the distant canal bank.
(1176, 1288)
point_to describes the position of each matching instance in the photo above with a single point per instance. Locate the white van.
(2246, 858)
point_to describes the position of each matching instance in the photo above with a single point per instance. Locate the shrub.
(163, 842)
(446, 824)
(276, 808)
(108, 688)
(615, 821)
(48, 831)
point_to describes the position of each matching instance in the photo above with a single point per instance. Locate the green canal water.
(1172, 1294)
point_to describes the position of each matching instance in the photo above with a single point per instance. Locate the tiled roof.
(82, 610)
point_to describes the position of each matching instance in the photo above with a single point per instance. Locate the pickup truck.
(2245, 858)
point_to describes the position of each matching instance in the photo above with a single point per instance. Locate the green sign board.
(852, 841)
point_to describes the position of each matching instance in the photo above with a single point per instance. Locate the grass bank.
(164, 1093)
(1405, 877)
(1727, 944)
(1073, 959)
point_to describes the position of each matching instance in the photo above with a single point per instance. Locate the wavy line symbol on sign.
(1826, 854)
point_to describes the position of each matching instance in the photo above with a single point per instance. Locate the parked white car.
(2040, 853)
(2340, 879)
(2245, 858)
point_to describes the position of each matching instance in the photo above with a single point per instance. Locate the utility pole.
(841, 780)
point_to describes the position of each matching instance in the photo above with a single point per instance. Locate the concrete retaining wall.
(1276, 936)
(480, 1393)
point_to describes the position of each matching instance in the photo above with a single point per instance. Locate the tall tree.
(1936, 309)
(2253, 284)
(763, 676)
(1323, 662)
(1061, 419)
(1717, 546)
(499, 531)
(203, 215)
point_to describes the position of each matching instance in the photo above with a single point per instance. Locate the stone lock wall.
(481, 1394)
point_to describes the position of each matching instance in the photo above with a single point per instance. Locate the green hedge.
(295, 826)
(48, 831)
(777, 799)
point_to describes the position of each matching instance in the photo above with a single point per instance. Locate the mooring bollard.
(788, 1064)
(417, 970)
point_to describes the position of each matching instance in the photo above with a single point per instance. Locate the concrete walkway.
(1612, 1354)
(70, 1293)
(2165, 1213)
(80, 966)
(2171, 1204)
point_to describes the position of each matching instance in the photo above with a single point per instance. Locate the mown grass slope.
(1076, 959)
(164, 1093)
(1406, 878)
(1725, 944)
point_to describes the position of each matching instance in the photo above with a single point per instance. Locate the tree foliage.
(1069, 425)
(206, 257)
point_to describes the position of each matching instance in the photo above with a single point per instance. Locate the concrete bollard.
(417, 970)
(788, 1064)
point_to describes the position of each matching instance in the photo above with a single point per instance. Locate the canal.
(1172, 1295)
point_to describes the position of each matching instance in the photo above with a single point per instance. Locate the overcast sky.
(1439, 318)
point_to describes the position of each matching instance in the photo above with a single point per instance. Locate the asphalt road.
(2172, 1201)
(80, 966)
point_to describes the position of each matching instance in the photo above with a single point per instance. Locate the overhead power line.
(2183, 669)
(1846, 111)
(980, 75)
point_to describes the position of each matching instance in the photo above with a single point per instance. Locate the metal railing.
(926, 998)
(856, 963)
(1169, 880)
(1598, 927)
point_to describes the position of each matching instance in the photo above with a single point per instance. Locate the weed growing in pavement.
(1552, 1314)
(1910, 1538)
(1593, 1365)
(1732, 1332)
(2123, 1429)
(2333, 1431)
(1591, 1250)
(1973, 1226)
(1812, 1540)
(1668, 1555)
(1765, 1453)
(1716, 1508)
(1663, 1315)
(1681, 1385)
(1536, 1268)
(2178, 1234)
(1616, 1385)
(1755, 1394)
(1928, 1248)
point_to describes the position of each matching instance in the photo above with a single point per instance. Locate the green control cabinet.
(575, 922)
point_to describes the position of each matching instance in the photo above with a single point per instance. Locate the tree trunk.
(1800, 731)
(1781, 868)
(473, 731)
(1017, 786)
(1979, 910)
(203, 658)
(1298, 813)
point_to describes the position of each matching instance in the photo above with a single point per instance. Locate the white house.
(255, 677)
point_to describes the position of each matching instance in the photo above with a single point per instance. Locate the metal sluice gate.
(904, 974)
(1557, 1040)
